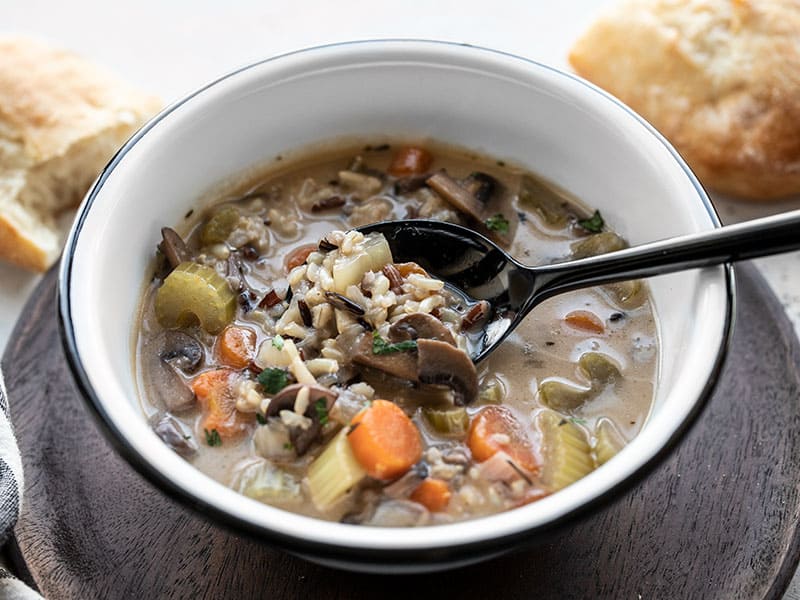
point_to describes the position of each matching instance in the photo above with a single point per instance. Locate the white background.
(172, 47)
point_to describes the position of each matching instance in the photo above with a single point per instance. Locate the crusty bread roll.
(61, 120)
(719, 78)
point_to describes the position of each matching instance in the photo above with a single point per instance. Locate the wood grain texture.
(716, 520)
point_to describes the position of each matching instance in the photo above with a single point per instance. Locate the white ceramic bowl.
(501, 105)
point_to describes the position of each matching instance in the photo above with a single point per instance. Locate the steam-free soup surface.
(293, 359)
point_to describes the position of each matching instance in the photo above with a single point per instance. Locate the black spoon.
(481, 270)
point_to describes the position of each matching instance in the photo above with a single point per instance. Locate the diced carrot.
(236, 346)
(585, 320)
(298, 256)
(433, 494)
(384, 440)
(410, 160)
(407, 268)
(495, 428)
(214, 391)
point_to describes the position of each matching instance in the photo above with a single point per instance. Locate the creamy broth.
(559, 402)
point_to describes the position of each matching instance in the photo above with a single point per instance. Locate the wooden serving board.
(717, 520)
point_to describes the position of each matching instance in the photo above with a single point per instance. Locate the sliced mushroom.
(443, 364)
(166, 360)
(410, 184)
(449, 189)
(174, 435)
(285, 400)
(481, 185)
(181, 351)
(173, 247)
(399, 364)
(420, 325)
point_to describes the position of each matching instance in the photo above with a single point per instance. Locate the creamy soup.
(287, 355)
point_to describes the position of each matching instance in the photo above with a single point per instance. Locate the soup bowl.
(500, 105)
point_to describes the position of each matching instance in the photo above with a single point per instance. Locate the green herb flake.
(262, 420)
(322, 411)
(593, 224)
(577, 421)
(381, 346)
(273, 380)
(497, 223)
(277, 342)
(212, 437)
(288, 446)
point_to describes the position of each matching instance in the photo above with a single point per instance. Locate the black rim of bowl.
(342, 553)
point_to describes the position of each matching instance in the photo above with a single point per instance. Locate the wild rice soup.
(291, 358)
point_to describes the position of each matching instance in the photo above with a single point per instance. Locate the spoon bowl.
(477, 269)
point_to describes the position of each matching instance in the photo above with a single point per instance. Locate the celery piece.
(334, 472)
(568, 456)
(599, 243)
(192, 292)
(551, 205)
(265, 482)
(491, 392)
(220, 226)
(451, 421)
(562, 396)
(627, 294)
(599, 367)
(609, 441)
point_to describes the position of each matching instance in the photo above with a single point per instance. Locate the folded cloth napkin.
(11, 488)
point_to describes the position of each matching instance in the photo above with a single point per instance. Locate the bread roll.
(719, 78)
(61, 120)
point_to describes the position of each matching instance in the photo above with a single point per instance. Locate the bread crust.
(719, 78)
(61, 119)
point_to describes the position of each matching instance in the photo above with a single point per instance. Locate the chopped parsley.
(497, 223)
(212, 437)
(262, 420)
(277, 342)
(322, 411)
(593, 224)
(273, 380)
(381, 346)
(288, 446)
(577, 421)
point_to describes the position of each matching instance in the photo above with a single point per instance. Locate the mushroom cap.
(173, 247)
(420, 325)
(284, 400)
(443, 364)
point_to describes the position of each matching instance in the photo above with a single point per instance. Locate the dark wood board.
(718, 519)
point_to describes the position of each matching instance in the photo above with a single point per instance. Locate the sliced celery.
(491, 392)
(333, 472)
(538, 196)
(265, 482)
(567, 451)
(599, 243)
(220, 226)
(562, 396)
(192, 292)
(599, 367)
(627, 294)
(452, 421)
(609, 442)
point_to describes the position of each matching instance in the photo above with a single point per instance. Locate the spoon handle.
(751, 239)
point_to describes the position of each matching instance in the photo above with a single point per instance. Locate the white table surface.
(172, 47)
